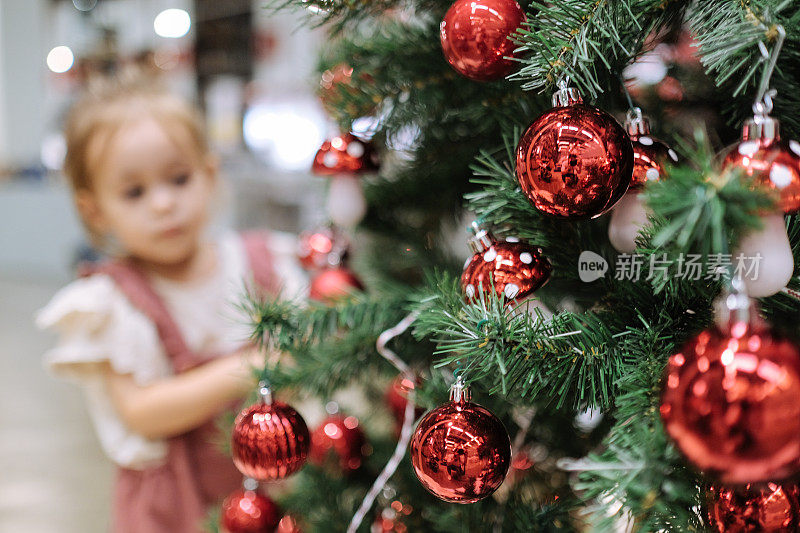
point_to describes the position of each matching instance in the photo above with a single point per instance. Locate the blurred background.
(251, 71)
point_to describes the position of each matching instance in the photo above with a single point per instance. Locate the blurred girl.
(153, 335)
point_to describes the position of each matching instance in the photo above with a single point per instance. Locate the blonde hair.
(106, 107)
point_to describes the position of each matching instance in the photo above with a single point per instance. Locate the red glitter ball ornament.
(460, 451)
(574, 161)
(515, 269)
(248, 511)
(772, 161)
(342, 437)
(321, 248)
(649, 154)
(344, 154)
(730, 402)
(770, 508)
(270, 440)
(331, 284)
(475, 37)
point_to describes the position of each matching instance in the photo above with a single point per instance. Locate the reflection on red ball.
(342, 437)
(574, 161)
(269, 441)
(475, 37)
(770, 508)
(730, 403)
(247, 511)
(460, 452)
(334, 283)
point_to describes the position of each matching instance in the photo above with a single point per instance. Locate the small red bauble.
(342, 437)
(344, 154)
(270, 441)
(397, 398)
(475, 37)
(460, 451)
(771, 508)
(334, 283)
(321, 248)
(574, 161)
(649, 154)
(515, 269)
(730, 403)
(247, 511)
(772, 161)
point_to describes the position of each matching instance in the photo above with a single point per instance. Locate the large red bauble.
(731, 403)
(574, 161)
(771, 508)
(774, 163)
(247, 511)
(270, 441)
(334, 283)
(460, 452)
(342, 437)
(475, 37)
(514, 268)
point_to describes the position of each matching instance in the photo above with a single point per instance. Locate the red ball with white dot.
(341, 437)
(511, 268)
(475, 37)
(649, 154)
(248, 511)
(332, 284)
(344, 154)
(324, 247)
(730, 403)
(270, 441)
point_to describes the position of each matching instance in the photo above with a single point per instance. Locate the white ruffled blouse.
(96, 324)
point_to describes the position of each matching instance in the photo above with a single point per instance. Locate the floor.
(53, 476)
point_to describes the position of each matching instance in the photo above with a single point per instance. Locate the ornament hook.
(763, 101)
(265, 392)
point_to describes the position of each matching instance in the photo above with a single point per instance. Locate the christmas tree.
(603, 314)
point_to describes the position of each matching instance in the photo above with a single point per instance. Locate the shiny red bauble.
(344, 154)
(773, 163)
(332, 284)
(270, 441)
(511, 268)
(575, 161)
(321, 248)
(460, 452)
(731, 403)
(770, 508)
(649, 154)
(341, 437)
(475, 37)
(247, 511)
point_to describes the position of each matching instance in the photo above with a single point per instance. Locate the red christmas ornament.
(333, 283)
(475, 37)
(270, 440)
(288, 525)
(397, 398)
(460, 451)
(342, 437)
(730, 403)
(771, 508)
(321, 248)
(514, 268)
(772, 161)
(574, 161)
(344, 154)
(248, 511)
(649, 154)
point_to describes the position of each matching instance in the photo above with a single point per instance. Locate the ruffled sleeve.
(96, 324)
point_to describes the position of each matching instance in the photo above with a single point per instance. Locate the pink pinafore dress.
(175, 496)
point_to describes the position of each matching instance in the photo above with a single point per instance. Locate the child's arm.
(183, 402)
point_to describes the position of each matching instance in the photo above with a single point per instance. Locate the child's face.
(152, 193)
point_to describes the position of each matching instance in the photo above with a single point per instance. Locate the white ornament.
(346, 204)
(627, 218)
(774, 270)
